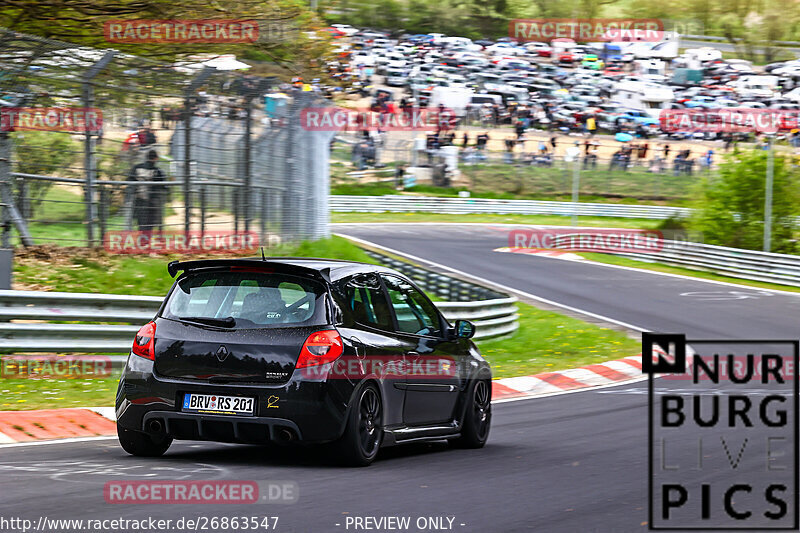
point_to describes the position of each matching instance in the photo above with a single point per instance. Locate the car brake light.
(252, 269)
(321, 347)
(144, 343)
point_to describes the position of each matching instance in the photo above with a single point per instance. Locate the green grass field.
(548, 341)
(498, 180)
(25, 394)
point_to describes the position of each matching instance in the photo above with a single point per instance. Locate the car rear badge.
(222, 353)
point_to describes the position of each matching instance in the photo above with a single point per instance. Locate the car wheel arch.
(369, 380)
(482, 373)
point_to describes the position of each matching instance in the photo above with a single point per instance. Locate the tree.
(730, 211)
(81, 22)
(42, 153)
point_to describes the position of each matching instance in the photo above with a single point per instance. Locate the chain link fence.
(96, 141)
(526, 170)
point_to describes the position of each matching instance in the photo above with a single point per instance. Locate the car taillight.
(320, 347)
(144, 343)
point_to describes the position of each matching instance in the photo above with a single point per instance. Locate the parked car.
(301, 350)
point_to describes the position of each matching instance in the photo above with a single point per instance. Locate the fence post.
(103, 212)
(6, 196)
(235, 198)
(263, 217)
(187, 163)
(248, 176)
(23, 199)
(202, 210)
(90, 146)
(188, 99)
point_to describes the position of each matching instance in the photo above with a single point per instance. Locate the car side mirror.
(464, 329)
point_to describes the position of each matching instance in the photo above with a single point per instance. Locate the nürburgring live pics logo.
(723, 433)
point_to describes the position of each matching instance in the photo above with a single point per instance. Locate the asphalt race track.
(648, 301)
(573, 462)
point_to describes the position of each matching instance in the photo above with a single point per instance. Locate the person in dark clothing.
(482, 140)
(519, 128)
(399, 172)
(148, 200)
(666, 151)
(466, 139)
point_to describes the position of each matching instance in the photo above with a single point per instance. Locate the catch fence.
(175, 148)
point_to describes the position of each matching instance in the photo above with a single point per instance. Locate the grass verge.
(26, 394)
(81, 270)
(548, 341)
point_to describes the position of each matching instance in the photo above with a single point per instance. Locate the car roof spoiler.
(276, 266)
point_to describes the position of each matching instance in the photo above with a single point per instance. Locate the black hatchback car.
(301, 350)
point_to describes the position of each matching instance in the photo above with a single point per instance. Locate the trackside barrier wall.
(735, 262)
(465, 206)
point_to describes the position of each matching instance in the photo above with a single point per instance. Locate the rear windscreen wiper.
(220, 322)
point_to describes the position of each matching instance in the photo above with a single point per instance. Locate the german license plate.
(219, 405)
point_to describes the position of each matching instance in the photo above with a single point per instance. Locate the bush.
(730, 211)
(47, 153)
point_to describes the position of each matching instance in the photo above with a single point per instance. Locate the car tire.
(477, 415)
(362, 437)
(142, 444)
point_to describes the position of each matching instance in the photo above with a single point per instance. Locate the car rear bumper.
(222, 428)
(312, 411)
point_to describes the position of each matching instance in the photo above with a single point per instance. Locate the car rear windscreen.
(247, 300)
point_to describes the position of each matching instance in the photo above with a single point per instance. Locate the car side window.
(415, 314)
(368, 303)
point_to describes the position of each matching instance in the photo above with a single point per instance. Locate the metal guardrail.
(464, 206)
(735, 262)
(492, 318)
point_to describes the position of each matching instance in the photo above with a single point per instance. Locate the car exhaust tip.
(155, 426)
(285, 435)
